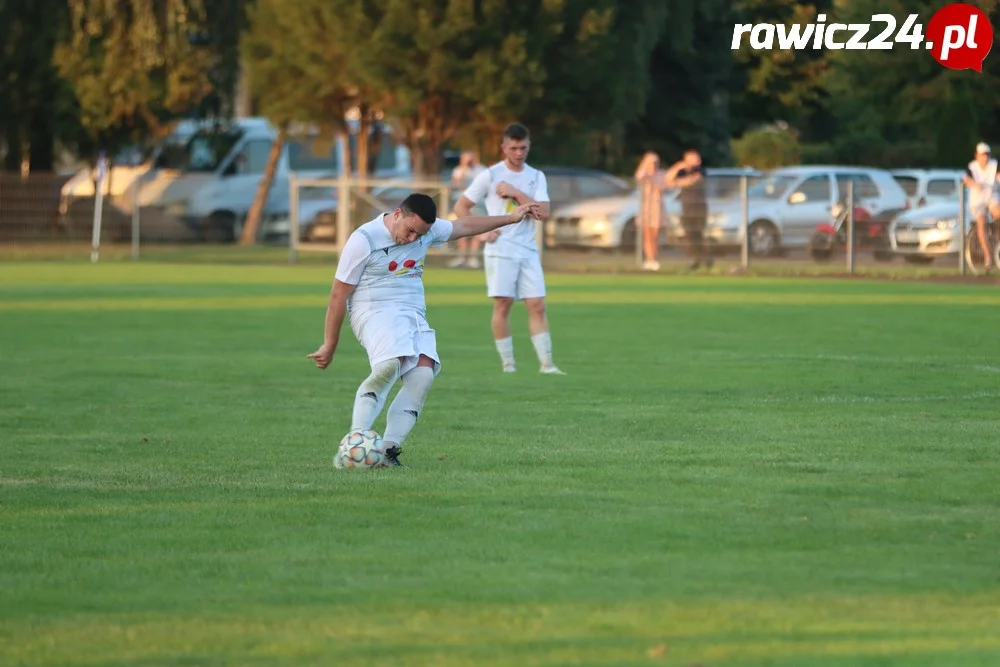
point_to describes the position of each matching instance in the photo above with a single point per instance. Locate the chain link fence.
(747, 222)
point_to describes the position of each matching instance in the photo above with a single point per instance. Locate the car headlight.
(947, 224)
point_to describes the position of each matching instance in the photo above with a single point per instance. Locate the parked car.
(787, 205)
(921, 235)
(609, 222)
(929, 186)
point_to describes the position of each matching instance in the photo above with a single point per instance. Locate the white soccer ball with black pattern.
(360, 449)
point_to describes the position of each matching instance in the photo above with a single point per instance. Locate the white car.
(609, 222)
(924, 187)
(787, 205)
(921, 235)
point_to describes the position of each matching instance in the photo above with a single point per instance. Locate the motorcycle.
(870, 232)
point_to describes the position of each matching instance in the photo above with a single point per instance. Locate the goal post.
(323, 212)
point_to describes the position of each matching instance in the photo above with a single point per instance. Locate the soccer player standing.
(513, 267)
(379, 282)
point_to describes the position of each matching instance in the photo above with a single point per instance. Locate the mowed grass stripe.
(153, 274)
(534, 634)
(253, 302)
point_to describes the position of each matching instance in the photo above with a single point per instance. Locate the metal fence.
(742, 228)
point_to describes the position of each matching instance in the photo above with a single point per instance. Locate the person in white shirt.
(513, 267)
(379, 282)
(461, 177)
(981, 179)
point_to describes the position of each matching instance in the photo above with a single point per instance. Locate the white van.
(205, 175)
(214, 184)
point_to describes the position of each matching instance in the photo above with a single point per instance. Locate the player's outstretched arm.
(335, 312)
(475, 225)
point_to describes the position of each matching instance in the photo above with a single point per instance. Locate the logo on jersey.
(410, 265)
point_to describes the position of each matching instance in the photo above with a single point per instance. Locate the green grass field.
(737, 471)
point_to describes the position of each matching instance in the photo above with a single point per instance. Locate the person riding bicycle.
(981, 179)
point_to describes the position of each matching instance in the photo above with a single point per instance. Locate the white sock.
(543, 348)
(505, 347)
(406, 407)
(372, 393)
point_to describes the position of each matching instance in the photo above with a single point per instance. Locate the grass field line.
(570, 297)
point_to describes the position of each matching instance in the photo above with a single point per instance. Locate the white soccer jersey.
(387, 275)
(985, 176)
(516, 241)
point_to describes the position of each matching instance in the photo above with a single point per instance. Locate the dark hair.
(422, 206)
(515, 131)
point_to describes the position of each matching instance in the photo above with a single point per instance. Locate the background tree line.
(598, 81)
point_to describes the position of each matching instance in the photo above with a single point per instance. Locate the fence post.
(745, 222)
(136, 191)
(343, 210)
(293, 218)
(961, 222)
(95, 239)
(850, 226)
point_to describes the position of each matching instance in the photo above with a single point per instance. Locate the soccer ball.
(360, 449)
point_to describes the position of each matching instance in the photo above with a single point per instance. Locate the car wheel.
(629, 236)
(221, 227)
(821, 246)
(763, 239)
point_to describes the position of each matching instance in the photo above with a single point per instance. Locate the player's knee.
(382, 378)
(502, 305)
(417, 383)
(535, 307)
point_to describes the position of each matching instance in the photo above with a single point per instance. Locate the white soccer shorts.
(983, 207)
(514, 278)
(391, 334)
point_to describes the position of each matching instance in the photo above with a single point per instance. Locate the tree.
(690, 67)
(768, 147)
(900, 107)
(778, 84)
(36, 100)
(441, 66)
(298, 55)
(132, 65)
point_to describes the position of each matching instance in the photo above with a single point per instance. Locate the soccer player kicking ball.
(379, 281)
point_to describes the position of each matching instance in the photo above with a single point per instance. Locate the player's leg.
(371, 395)
(501, 286)
(531, 288)
(405, 409)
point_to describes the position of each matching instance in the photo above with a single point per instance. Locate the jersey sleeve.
(542, 189)
(441, 232)
(478, 189)
(352, 261)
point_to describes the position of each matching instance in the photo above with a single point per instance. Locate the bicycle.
(975, 259)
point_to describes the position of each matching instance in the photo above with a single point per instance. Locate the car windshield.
(771, 186)
(208, 148)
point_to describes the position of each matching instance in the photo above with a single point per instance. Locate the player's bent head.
(413, 218)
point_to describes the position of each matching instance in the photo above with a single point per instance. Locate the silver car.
(610, 222)
(924, 187)
(921, 235)
(787, 205)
